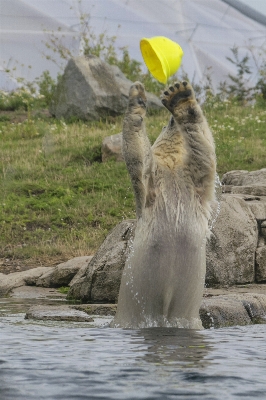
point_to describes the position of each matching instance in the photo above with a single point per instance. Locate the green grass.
(58, 201)
(240, 135)
(64, 289)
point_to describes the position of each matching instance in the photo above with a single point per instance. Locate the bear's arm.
(138, 156)
(201, 160)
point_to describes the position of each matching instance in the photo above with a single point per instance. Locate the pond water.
(66, 360)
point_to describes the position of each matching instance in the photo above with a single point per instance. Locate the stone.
(255, 190)
(112, 148)
(100, 282)
(260, 264)
(63, 273)
(231, 247)
(90, 89)
(81, 271)
(57, 313)
(245, 178)
(97, 309)
(222, 311)
(257, 204)
(255, 305)
(258, 208)
(233, 309)
(17, 279)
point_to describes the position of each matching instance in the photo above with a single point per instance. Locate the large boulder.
(91, 89)
(231, 248)
(100, 281)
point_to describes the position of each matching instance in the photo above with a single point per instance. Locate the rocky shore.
(37, 292)
(221, 307)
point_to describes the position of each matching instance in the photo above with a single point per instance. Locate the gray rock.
(57, 313)
(255, 190)
(97, 309)
(17, 279)
(90, 89)
(245, 178)
(255, 304)
(112, 148)
(258, 208)
(256, 204)
(233, 309)
(260, 264)
(101, 280)
(223, 311)
(81, 271)
(63, 273)
(231, 248)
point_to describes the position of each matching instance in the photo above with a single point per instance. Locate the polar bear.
(174, 183)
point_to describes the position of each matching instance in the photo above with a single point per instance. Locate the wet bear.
(174, 183)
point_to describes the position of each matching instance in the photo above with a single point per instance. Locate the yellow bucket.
(162, 56)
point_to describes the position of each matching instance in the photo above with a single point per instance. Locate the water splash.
(217, 208)
(130, 280)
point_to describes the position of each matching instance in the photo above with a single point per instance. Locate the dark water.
(73, 361)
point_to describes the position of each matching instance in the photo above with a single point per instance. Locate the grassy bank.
(59, 201)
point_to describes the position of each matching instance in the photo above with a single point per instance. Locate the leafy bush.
(239, 87)
(47, 86)
(21, 99)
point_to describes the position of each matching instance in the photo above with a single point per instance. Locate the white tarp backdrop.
(205, 29)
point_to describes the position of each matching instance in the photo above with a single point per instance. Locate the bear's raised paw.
(137, 98)
(176, 95)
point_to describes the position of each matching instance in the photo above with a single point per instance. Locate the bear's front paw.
(177, 95)
(137, 101)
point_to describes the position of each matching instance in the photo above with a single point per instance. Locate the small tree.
(239, 86)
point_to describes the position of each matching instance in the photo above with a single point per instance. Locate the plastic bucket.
(162, 56)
